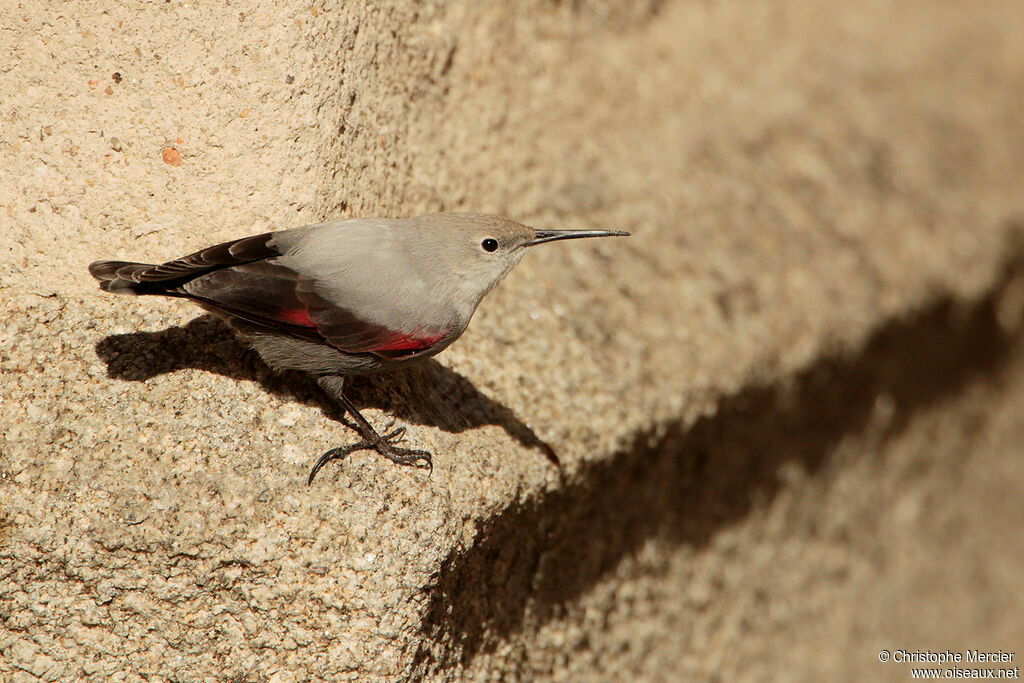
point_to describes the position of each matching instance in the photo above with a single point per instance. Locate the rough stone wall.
(786, 409)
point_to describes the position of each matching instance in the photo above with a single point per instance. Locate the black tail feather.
(116, 276)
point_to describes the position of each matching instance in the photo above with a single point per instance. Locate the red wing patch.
(295, 316)
(344, 330)
(396, 341)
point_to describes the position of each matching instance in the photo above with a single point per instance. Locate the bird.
(348, 296)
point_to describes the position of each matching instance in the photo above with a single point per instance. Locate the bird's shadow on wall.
(425, 393)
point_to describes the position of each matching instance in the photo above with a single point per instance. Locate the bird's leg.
(385, 445)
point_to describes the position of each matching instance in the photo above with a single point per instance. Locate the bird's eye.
(489, 244)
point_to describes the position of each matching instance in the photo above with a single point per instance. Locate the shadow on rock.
(683, 486)
(426, 393)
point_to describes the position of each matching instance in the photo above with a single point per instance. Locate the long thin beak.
(542, 236)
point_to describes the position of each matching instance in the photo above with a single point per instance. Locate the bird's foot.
(385, 445)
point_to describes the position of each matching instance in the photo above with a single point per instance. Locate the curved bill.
(542, 236)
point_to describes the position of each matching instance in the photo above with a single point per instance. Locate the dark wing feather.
(275, 298)
(245, 250)
(344, 330)
(127, 277)
(242, 280)
(261, 293)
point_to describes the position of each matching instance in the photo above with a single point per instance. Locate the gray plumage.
(346, 296)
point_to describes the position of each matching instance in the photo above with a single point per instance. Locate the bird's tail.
(116, 276)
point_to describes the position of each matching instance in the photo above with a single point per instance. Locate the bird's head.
(480, 250)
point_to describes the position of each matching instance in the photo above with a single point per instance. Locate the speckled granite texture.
(788, 409)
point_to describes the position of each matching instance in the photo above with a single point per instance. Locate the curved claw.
(339, 452)
(409, 457)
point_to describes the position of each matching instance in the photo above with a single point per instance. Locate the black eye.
(489, 244)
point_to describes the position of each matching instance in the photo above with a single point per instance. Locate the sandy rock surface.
(786, 410)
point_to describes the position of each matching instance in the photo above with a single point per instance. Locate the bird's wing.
(276, 298)
(233, 253)
(243, 279)
(347, 331)
(261, 293)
